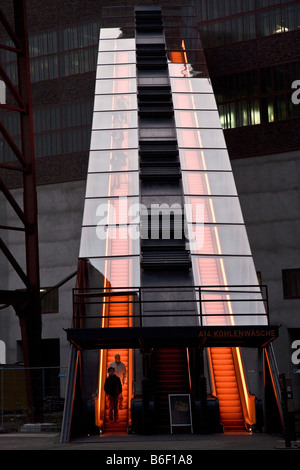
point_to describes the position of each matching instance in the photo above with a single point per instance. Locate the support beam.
(29, 312)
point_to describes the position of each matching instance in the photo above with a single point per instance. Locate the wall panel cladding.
(67, 89)
(265, 139)
(249, 55)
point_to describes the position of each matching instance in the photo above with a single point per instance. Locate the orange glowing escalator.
(236, 405)
(227, 391)
(170, 375)
(117, 313)
(121, 426)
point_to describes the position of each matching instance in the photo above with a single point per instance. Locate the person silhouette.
(120, 371)
(113, 389)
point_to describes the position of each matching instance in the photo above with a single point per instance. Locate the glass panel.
(114, 102)
(222, 239)
(118, 272)
(121, 57)
(209, 159)
(117, 45)
(193, 85)
(116, 139)
(116, 86)
(117, 119)
(116, 71)
(102, 161)
(112, 184)
(194, 101)
(109, 241)
(234, 271)
(121, 210)
(238, 273)
(213, 210)
(235, 309)
(181, 70)
(204, 138)
(197, 119)
(212, 183)
(110, 33)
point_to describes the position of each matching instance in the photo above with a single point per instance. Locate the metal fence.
(14, 407)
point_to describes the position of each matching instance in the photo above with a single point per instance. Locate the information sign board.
(180, 410)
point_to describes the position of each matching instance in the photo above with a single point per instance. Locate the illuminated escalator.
(227, 391)
(226, 370)
(170, 375)
(121, 426)
(118, 315)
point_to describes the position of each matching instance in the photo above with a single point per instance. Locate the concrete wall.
(269, 193)
(60, 209)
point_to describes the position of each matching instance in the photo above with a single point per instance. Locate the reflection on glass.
(119, 272)
(113, 160)
(201, 138)
(226, 270)
(116, 86)
(237, 273)
(211, 183)
(209, 159)
(121, 210)
(112, 184)
(233, 309)
(181, 70)
(115, 119)
(118, 57)
(115, 139)
(214, 210)
(203, 101)
(109, 241)
(209, 119)
(116, 71)
(117, 45)
(110, 33)
(221, 239)
(190, 85)
(114, 102)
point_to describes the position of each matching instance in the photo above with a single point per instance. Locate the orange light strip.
(100, 405)
(274, 387)
(184, 53)
(249, 413)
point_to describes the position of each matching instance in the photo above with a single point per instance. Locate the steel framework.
(26, 302)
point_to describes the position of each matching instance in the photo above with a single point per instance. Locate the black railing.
(198, 305)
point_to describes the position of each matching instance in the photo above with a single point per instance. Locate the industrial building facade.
(161, 237)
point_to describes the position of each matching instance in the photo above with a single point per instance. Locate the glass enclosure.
(110, 229)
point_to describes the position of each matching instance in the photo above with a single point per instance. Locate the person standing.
(120, 371)
(113, 389)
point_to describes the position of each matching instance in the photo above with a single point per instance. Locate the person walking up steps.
(120, 371)
(113, 388)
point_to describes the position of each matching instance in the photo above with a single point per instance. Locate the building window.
(55, 54)
(49, 300)
(291, 283)
(58, 129)
(241, 20)
(76, 126)
(257, 96)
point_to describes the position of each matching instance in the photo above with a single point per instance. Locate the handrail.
(247, 399)
(195, 299)
(271, 362)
